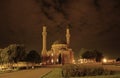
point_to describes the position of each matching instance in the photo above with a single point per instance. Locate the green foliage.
(12, 53)
(98, 55)
(4, 56)
(16, 52)
(33, 57)
(78, 71)
(92, 54)
(88, 55)
(58, 72)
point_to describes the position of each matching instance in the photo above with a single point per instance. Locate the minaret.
(68, 36)
(44, 50)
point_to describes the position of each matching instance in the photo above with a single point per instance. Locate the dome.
(59, 42)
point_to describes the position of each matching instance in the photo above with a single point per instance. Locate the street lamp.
(104, 60)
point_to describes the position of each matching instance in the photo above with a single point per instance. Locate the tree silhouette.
(93, 54)
(33, 57)
(16, 52)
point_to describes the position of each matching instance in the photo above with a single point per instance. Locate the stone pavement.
(32, 73)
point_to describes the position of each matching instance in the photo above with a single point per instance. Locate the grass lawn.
(56, 73)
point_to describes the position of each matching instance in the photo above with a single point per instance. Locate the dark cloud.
(53, 9)
(93, 23)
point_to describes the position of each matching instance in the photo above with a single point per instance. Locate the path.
(33, 73)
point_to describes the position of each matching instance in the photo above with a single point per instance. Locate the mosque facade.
(60, 52)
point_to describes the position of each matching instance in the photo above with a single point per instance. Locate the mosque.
(60, 52)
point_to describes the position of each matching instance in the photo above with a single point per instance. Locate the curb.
(45, 74)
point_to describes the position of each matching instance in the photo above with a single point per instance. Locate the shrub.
(78, 71)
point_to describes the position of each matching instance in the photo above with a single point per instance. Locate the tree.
(12, 53)
(1, 59)
(98, 55)
(88, 55)
(0, 56)
(33, 57)
(118, 60)
(4, 56)
(82, 50)
(16, 52)
(92, 54)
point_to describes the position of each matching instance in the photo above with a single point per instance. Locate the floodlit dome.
(59, 42)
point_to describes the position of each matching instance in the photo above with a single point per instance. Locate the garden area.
(85, 71)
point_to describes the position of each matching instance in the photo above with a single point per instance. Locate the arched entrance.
(60, 59)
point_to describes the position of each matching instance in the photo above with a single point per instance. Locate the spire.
(68, 35)
(44, 35)
(44, 50)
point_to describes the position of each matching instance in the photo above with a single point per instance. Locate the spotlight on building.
(52, 60)
(73, 62)
(57, 60)
(52, 54)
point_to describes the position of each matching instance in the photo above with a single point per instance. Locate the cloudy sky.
(92, 23)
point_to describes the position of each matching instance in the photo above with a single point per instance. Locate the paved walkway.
(33, 73)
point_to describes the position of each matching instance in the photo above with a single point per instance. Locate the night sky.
(93, 23)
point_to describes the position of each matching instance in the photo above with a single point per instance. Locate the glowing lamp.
(57, 60)
(52, 61)
(104, 60)
(52, 54)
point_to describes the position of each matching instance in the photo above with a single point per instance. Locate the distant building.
(60, 52)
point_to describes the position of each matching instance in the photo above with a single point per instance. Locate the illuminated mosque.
(60, 52)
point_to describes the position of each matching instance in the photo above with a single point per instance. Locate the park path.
(33, 73)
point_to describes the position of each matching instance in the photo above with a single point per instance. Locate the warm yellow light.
(52, 61)
(52, 54)
(73, 61)
(57, 60)
(104, 60)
